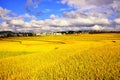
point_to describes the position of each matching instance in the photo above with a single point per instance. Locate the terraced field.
(65, 57)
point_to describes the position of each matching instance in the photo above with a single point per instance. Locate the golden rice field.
(65, 57)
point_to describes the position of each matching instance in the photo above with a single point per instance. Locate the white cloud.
(5, 27)
(17, 22)
(89, 14)
(32, 7)
(74, 14)
(117, 20)
(33, 3)
(4, 24)
(78, 17)
(4, 12)
(81, 21)
(26, 16)
(37, 23)
(52, 16)
(60, 22)
(116, 6)
(73, 3)
(47, 10)
(104, 8)
(79, 3)
(100, 21)
(27, 24)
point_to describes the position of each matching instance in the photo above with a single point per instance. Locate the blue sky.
(59, 15)
(16, 6)
(43, 10)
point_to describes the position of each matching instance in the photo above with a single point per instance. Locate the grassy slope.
(71, 57)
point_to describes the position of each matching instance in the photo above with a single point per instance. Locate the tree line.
(4, 34)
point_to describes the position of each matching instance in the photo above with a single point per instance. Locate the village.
(4, 34)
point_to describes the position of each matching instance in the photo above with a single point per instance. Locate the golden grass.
(66, 57)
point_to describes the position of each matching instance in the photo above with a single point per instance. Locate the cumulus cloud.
(4, 14)
(53, 16)
(116, 8)
(32, 7)
(58, 22)
(32, 3)
(7, 15)
(117, 20)
(74, 14)
(27, 16)
(27, 24)
(79, 3)
(5, 27)
(17, 22)
(93, 13)
(74, 20)
(4, 24)
(88, 15)
(101, 6)
(78, 17)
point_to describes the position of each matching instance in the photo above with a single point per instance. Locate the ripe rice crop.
(65, 57)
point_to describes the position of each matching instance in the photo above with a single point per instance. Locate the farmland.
(64, 57)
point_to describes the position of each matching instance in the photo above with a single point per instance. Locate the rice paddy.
(64, 57)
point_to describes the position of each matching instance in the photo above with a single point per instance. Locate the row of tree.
(4, 34)
(87, 32)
